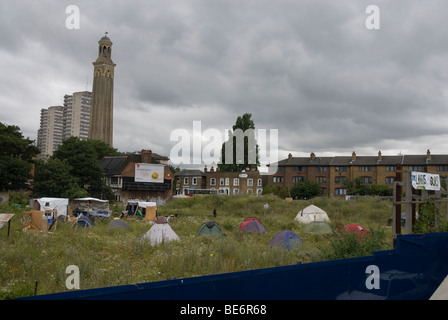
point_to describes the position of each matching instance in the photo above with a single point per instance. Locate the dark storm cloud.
(310, 69)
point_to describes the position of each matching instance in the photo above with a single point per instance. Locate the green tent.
(210, 228)
(318, 227)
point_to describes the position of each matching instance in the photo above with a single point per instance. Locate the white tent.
(159, 233)
(312, 213)
(60, 204)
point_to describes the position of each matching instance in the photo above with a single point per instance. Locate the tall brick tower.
(102, 106)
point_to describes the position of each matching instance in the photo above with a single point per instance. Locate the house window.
(186, 181)
(194, 181)
(365, 168)
(321, 169)
(340, 168)
(296, 169)
(297, 179)
(249, 191)
(415, 168)
(277, 179)
(340, 180)
(390, 180)
(250, 182)
(212, 181)
(235, 191)
(236, 182)
(366, 180)
(442, 168)
(227, 181)
(340, 191)
(259, 183)
(221, 181)
(321, 179)
(390, 168)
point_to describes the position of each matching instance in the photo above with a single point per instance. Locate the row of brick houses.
(331, 172)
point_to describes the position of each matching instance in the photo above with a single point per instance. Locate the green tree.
(83, 158)
(16, 158)
(52, 178)
(305, 190)
(242, 145)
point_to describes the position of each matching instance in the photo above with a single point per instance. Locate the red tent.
(247, 221)
(359, 229)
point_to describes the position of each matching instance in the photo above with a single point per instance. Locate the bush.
(349, 245)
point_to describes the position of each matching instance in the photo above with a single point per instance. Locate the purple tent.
(286, 239)
(254, 226)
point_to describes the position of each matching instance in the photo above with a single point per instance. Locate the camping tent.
(254, 226)
(246, 222)
(317, 227)
(118, 224)
(356, 228)
(312, 213)
(83, 222)
(210, 228)
(286, 239)
(160, 233)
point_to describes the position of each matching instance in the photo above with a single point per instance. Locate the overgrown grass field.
(35, 263)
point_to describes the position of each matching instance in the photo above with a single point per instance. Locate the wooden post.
(397, 197)
(409, 214)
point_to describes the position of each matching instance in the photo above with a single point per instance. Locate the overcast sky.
(310, 69)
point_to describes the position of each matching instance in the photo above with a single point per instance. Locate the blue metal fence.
(413, 270)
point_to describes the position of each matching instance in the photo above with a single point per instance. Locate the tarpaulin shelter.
(210, 228)
(160, 233)
(50, 204)
(318, 227)
(254, 227)
(247, 221)
(92, 207)
(144, 209)
(286, 239)
(312, 213)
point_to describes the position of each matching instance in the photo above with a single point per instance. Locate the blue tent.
(286, 239)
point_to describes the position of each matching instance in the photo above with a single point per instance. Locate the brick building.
(121, 176)
(331, 172)
(215, 181)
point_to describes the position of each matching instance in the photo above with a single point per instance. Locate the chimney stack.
(146, 156)
(353, 156)
(379, 156)
(312, 156)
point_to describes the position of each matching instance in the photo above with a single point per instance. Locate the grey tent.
(83, 222)
(254, 227)
(118, 224)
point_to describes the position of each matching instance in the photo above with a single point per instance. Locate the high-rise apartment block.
(77, 115)
(50, 133)
(59, 123)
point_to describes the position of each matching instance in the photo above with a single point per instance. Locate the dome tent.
(83, 222)
(318, 227)
(254, 227)
(286, 239)
(210, 228)
(312, 213)
(247, 221)
(118, 224)
(160, 233)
